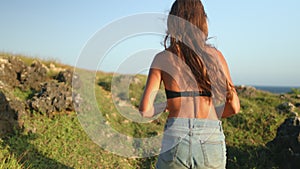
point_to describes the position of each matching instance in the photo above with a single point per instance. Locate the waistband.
(202, 129)
(193, 123)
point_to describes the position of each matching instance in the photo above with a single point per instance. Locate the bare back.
(176, 76)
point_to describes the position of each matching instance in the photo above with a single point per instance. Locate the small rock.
(294, 114)
(65, 76)
(136, 80)
(282, 96)
(53, 68)
(69, 78)
(286, 107)
(11, 69)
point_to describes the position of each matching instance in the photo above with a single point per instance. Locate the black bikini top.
(172, 94)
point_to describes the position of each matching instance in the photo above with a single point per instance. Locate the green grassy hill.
(59, 141)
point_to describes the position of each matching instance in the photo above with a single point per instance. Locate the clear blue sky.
(259, 38)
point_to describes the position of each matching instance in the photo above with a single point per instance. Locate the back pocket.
(214, 153)
(170, 150)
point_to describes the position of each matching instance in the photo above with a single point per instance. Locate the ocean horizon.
(275, 89)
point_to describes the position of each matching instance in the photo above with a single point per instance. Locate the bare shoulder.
(163, 54)
(223, 62)
(222, 58)
(161, 59)
(214, 51)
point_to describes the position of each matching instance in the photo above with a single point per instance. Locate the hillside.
(39, 127)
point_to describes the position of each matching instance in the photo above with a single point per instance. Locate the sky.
(259, 39)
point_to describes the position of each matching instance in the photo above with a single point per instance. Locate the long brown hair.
(187, 34)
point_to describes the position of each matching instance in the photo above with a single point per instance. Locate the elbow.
(236, 106)
(231, 108)
(142, 111)
(145, 113)
(236, 109)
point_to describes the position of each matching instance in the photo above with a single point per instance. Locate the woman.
(199, 92)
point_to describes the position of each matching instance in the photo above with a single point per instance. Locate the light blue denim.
(193, 144)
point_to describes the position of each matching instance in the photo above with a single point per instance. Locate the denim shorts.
(192, 143)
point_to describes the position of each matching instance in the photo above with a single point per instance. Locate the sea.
(276, 89)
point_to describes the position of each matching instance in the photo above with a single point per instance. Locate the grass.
(57, 142)
(60, 141)
(248, 132)
(22, 95)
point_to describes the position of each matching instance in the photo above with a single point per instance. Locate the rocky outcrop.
(286, 107)
(11, 112)
(49, 94)
(11, 70)
(68, 77)
(53, 97)
(33, 76)
(286, 145)
(15, 73)
(246, 91)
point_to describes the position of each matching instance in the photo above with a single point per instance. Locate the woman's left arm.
(232, 105)
(146, 108)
